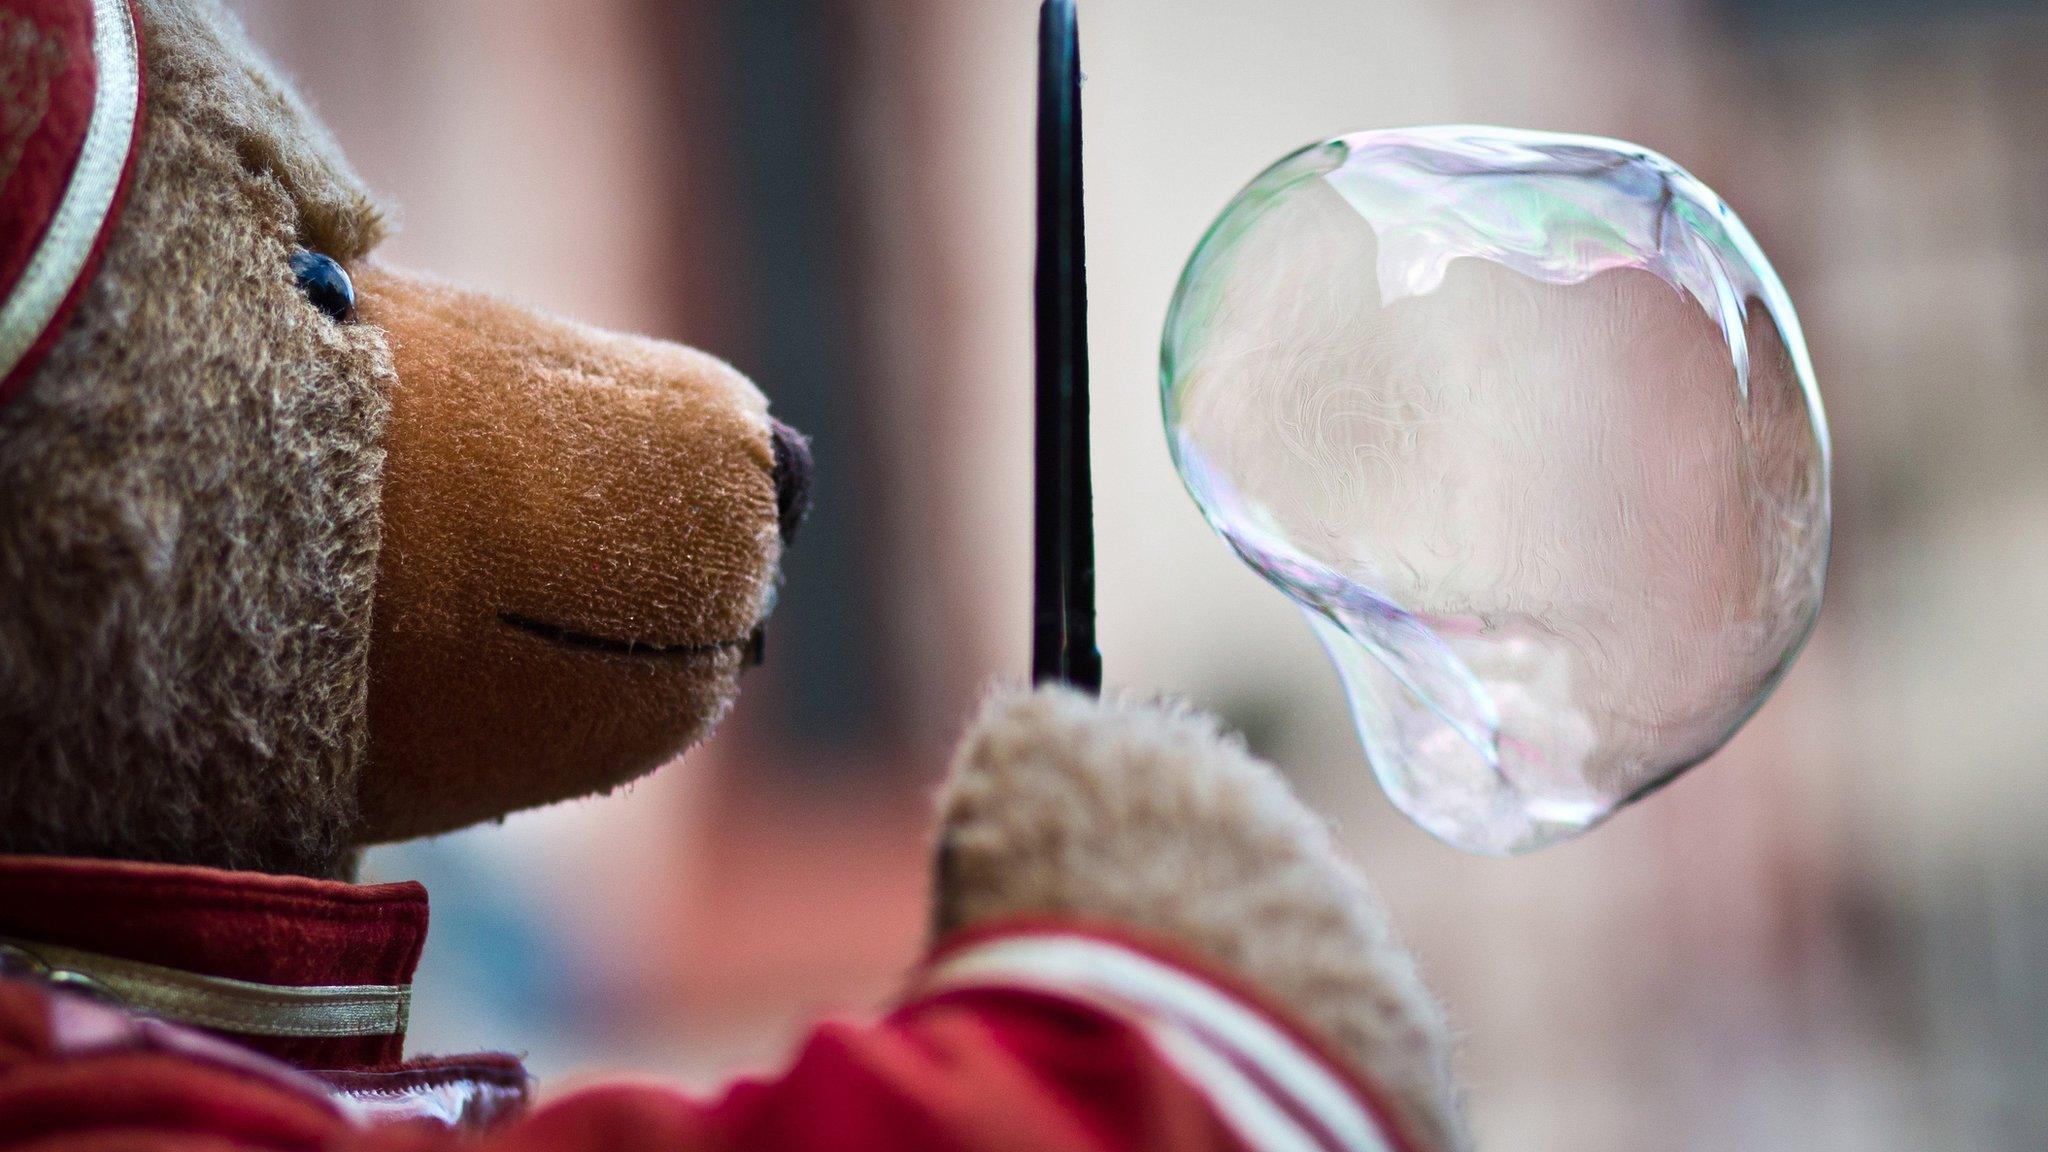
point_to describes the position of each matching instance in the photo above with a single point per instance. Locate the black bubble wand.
(1063, 578)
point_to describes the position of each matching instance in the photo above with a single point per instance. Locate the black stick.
(1063, 591)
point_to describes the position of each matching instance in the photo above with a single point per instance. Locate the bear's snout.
(581, 532)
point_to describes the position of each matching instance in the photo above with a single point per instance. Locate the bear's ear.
(223, 84)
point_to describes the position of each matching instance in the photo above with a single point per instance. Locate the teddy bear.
(301, 552)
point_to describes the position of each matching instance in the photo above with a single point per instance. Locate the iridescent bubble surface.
(1526, 425)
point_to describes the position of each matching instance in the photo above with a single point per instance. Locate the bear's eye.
(325, 283)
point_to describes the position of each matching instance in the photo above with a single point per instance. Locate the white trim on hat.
(75, 228)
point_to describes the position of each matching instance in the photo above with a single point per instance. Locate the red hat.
(70, 115)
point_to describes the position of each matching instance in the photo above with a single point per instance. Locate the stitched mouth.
(753, 647)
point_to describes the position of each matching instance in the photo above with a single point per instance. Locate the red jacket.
(290, 996)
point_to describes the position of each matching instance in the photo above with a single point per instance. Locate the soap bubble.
(1525, 424)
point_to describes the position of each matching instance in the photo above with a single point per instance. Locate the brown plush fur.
(190, 520)
(188, 500)
(615, 488)
(1149, 816)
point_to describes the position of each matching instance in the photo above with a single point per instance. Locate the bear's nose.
(792, 478)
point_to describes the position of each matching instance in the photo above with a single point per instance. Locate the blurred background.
(1832, 936)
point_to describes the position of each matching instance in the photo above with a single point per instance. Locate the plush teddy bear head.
(299, 552)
